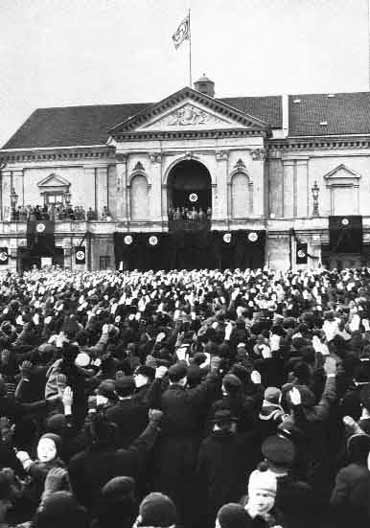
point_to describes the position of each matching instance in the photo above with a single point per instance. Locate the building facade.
(192, 180)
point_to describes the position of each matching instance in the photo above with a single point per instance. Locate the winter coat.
(131, 418)
(350, 496)
(91, 469)
(224, 462)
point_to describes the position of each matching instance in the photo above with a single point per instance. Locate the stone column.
(288, 188)
(155, 197)
(121, 201)
(90, 177)
(258, 177)
(221, 211)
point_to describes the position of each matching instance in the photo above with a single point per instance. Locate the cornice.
(56, 155)
(318, 143)
(189, 134)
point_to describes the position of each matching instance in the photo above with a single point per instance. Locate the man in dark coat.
(180, 437)
(224, 462)
(130, 416)
(91, 469)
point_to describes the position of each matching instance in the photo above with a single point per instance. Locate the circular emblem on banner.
(227, 238)
(345, 221)
(80, 255)
(252, 237)
(301, 254)
(40, 228)
(3, 256)
(153, 240)
(193, 197)
(128, 240)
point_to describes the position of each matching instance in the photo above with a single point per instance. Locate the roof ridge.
(89, 106)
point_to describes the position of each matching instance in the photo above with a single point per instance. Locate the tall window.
(240, 195)
(139, 198)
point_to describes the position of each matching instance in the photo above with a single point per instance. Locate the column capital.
(258, 154)
(155, 157)
(121, 158)
(222, 155)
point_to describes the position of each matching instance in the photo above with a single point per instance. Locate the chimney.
(205, 86)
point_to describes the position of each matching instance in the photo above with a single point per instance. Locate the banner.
(182, 33)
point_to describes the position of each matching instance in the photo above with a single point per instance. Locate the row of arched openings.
(241, 191)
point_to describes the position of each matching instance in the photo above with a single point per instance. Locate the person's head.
(125, 386)
(232, 515)
(59, 510)
(358, 448)
(157, 509)
(279, 453)
(262, 488)
(69, 353)
(231, 385)
(224, 421)
(143, 375)
(48, 447)
(272, 395)
(178, 374)
(118, 506)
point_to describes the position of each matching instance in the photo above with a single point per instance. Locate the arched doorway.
(189, 189)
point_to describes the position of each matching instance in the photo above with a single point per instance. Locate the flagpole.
(190, 74)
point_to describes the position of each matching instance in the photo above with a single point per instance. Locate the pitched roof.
(345, 113)
(89, 125)
(268, 108)
(70, 126)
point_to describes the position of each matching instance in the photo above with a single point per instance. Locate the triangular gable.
(341, 174)
(53, 180)
(189, 109)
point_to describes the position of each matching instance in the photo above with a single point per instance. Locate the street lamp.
(68, 197)
(315, 199)
(13, 201)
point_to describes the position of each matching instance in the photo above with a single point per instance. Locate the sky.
(83, 52)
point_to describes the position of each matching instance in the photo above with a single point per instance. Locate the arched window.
(139, 198)
(240, 195)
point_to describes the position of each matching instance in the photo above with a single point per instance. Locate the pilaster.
(121, 201)
(155, 197)
(288, 188)
(220, 202)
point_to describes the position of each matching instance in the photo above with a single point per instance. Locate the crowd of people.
(58, 212)
(190, 399)
(193, 214)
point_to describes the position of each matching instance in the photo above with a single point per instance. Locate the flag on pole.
(182, 33)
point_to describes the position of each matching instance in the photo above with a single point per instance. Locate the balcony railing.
(189, 224)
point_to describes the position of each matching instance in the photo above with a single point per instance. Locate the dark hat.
(145, 370)
(231, 382)
(278, 450)
(61, 509)
(233, 515)
(125, 386)
(118, 488)
(156, 509)
(241, 372)
(56, 423)
(107, 388)
(223, 416)
(177, 372)
(199, 358)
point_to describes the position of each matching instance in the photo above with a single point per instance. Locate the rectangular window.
(104, 262)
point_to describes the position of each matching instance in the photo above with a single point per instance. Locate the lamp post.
(13, 202)
(67, 197)
(315, 199)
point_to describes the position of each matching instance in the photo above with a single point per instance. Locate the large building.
(193, 180)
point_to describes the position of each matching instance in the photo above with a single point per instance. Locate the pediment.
(53, 180)
(342, 175)
(187, 110)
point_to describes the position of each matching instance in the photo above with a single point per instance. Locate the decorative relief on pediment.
(188, 116)
(258, 154)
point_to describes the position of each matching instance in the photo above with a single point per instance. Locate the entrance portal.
(189, 194)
